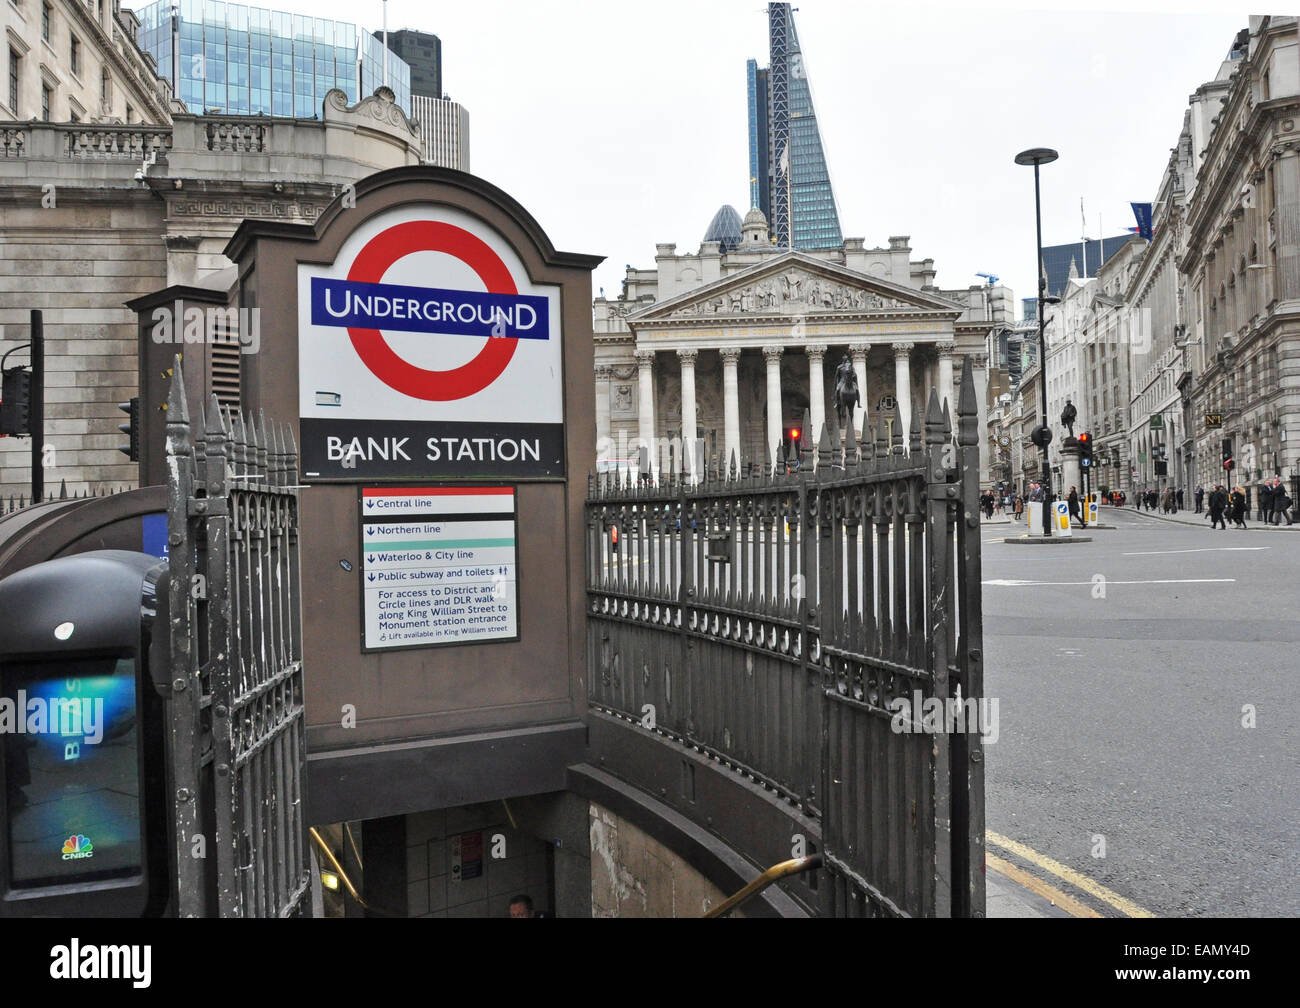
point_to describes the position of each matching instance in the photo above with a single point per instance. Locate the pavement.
(1193, 518)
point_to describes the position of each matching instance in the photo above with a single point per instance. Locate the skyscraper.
(788, 178)
(422, 51)
(443, 124)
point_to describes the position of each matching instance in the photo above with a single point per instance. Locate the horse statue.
(846, 396)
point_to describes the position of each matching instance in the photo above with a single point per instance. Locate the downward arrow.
(370, 503)
(372, 576)
(370, 559)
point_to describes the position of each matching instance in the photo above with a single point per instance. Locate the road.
(1124, 673)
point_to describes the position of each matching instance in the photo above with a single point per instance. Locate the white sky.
(623, 124)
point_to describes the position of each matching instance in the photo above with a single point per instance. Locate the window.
(13, 82)
(130, 114)
(45, 21)
(74, 55)
(74, 117)
(105, 87)
(45, 103)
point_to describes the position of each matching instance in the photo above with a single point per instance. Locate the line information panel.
(439, 566)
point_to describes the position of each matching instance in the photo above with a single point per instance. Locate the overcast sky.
(620, 124)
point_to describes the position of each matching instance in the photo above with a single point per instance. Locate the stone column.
(858, 354)
(903, 388)
(689, 462)
(604, 445)
(1286, 180)
(645, 413)
(774, 416)
(730, 406)
(980, 365)
(816, 394)
(946, 391)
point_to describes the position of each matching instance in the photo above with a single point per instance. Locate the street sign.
(424, 351)
(1213, 421)
(1061, 510)
(1157, 421)
(440, 566)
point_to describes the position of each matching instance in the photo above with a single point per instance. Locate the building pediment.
(795, 285)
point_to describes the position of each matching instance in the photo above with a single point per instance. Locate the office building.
(422, 52)
(237, 60)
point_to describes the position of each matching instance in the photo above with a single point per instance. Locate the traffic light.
(1228, 462)
(795, 433)
(131, 429)
(16, 402)
(1085, 449)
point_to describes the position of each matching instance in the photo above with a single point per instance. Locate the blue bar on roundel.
(354, 304)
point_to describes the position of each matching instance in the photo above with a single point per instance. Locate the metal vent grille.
(224, 363)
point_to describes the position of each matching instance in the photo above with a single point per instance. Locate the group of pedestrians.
(1167, 499)
(1274, 504)
(1231, 505)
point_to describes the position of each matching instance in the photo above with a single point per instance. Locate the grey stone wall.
(77, 261)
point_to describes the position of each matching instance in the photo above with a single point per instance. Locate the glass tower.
(241, 60)
(787, 165)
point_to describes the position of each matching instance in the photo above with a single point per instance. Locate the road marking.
(1207, 549)
(1067, 873)
(1008, 583)
(1036, 885)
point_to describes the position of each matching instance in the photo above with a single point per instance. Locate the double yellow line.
(1063, 872)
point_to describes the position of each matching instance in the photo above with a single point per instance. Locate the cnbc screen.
(71, 742)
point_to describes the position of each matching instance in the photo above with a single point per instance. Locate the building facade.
(75, 62)
(721, 354)
(121, 228)
(789, 178)
(231, 59)
(443, 126)
(1242, 264)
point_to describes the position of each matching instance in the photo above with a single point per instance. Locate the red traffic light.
(1085, 437)
(794, 433)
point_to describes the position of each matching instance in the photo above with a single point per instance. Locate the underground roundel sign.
(424, 350)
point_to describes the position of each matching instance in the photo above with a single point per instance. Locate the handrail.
(794, 866)
(337, 868)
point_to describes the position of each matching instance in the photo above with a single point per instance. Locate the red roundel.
(420, 383)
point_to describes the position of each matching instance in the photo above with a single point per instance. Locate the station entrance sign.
(440, 566)
(425, 352)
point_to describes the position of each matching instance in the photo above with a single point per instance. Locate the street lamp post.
(1043, 435)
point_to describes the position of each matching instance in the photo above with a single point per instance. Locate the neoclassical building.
(735, 343)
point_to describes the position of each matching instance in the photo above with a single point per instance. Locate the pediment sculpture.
(793, 291)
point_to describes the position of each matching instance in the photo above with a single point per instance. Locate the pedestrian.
(1199, 496)
(613, 538)
(522, 906)
(1266, 502)
(1218, 501)
(1178, 500)
(1238, 504)
(1019, 506)
(1282, 502)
